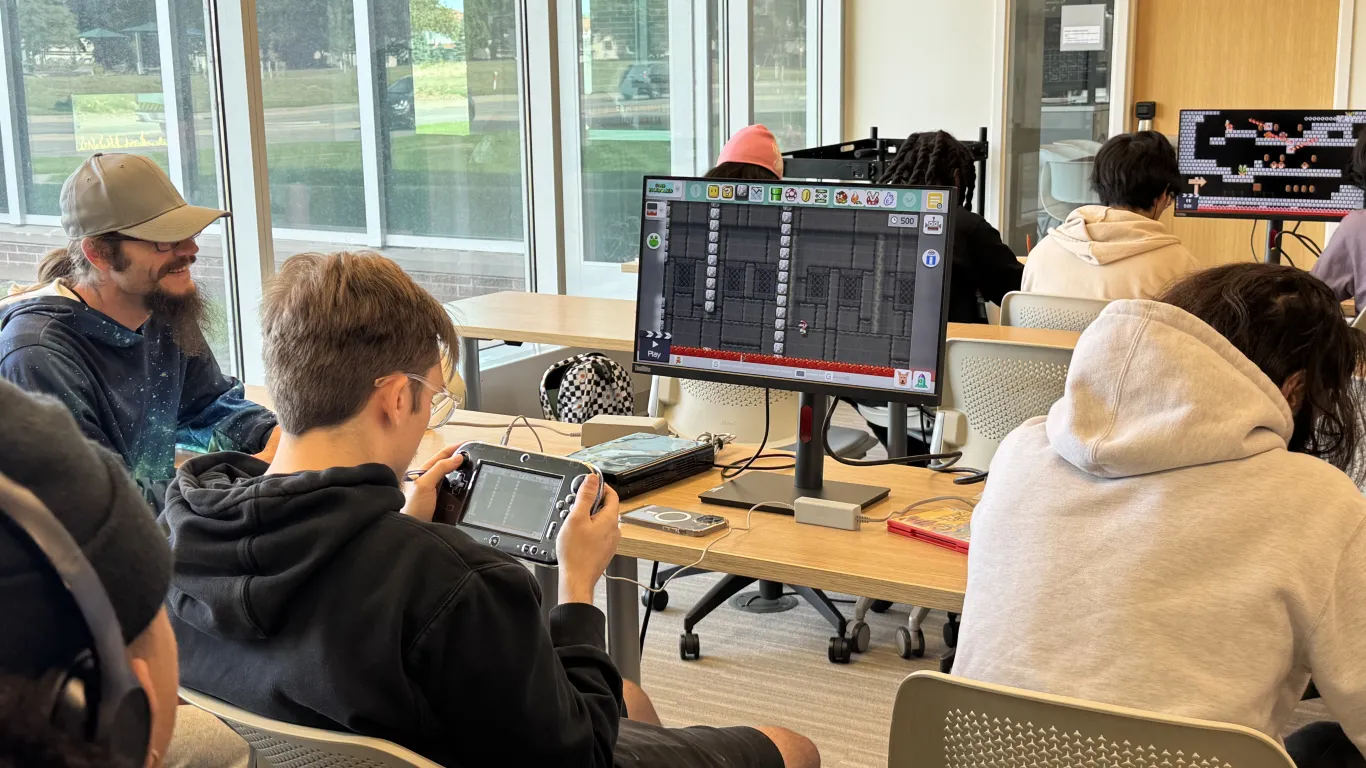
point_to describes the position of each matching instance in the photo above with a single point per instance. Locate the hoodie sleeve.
(215, 415)
(42, 369)
(559, 685)
(1343, 257)
(994, 265)
(1335, 642)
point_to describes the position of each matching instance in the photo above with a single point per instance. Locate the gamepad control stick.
(451, 494)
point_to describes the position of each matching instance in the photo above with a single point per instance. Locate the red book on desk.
(945, 527)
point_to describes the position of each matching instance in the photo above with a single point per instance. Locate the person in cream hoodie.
(1119, 249)
(1170, 536)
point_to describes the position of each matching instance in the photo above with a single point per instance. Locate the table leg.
(549, 581)
(469, 371)
(623, 618)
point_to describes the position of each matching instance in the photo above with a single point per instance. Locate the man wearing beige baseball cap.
(116, 328)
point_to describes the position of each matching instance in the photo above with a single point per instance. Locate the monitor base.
(756, 487)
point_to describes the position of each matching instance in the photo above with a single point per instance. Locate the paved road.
(53, 136)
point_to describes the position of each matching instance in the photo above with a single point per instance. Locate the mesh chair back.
(692, 407)
(940, 721)
(293, 746)
(994, 386)
(1040, 310)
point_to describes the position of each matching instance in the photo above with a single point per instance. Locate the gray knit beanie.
(90, 492)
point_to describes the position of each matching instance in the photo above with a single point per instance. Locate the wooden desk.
(608, 325)
(631, 267)
(870, 562)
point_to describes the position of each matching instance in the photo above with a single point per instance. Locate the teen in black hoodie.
(311, 590)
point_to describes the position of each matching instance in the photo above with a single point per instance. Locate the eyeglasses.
(444, 402)
(161, 247)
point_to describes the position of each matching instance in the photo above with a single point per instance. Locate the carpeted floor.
(772, 670)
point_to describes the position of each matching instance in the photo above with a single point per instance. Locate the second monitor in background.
(1273, 164)
(820, 289)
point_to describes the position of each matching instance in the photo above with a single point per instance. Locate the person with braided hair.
(1119, 249)
(984, 268)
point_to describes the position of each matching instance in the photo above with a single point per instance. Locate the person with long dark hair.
(984, 268)
(1343, 263)
(1176, 534)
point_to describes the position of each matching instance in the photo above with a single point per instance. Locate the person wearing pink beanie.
(750, 155)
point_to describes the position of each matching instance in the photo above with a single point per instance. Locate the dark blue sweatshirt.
(134, 392)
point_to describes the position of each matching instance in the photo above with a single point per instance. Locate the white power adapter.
(831, 514)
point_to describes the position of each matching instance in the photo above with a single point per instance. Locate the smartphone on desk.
(676, 520)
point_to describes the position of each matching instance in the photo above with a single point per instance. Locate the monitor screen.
(797, 286)
(510, 500)
(1268, 163)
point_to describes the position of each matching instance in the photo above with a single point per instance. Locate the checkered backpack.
(578, 388)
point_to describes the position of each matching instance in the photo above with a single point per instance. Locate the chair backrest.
(940, 721)
(990, 388)
(1041, 310)
(692, 407)
(294, 746)
(1360, 320)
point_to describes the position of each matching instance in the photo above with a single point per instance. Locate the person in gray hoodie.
(1175, 534)
(1119, 249)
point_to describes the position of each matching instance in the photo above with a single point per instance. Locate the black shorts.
(640, 745)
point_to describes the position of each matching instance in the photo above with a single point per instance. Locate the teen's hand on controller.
(421, 493)
(587, 542)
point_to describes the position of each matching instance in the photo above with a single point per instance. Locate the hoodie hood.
(60, 304)
(1100, 235)
(245, 542)
(1152, 387)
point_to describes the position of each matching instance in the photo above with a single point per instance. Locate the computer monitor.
(1272, 164)
(817, 288)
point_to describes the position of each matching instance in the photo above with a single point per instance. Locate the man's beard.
(188, 315)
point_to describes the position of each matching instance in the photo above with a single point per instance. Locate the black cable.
(1252, 243)
(949, 458)
(649, 604)
(727, 474)
(791, 463)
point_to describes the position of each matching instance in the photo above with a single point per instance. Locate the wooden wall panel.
(1225, 54)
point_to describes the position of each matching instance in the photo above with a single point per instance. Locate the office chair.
(940, 721)
(1041, 310)
(990, 388)
(293, 746)
(692, 407)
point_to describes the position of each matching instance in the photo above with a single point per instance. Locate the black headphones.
(95, 697)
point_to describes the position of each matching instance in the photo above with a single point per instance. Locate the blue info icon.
(931, 258)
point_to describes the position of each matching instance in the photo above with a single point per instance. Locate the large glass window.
(778, 37)
(1057, 112)
(112, 77)
(626, 127)
(447, 199)
(312, 113)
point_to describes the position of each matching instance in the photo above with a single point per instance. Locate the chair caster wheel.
(908, 645)
(861, 634)
(951, 634)
(841, 650)
(661, 601)
(689, 647)
(881, 606)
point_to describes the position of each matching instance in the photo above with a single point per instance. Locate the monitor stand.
(755, 487)
(1274, 230)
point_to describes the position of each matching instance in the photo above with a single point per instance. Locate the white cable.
(512, 425)
(748, 527)
(970, 502)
